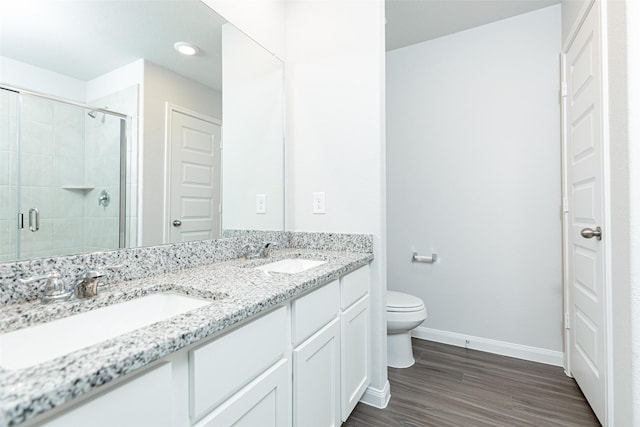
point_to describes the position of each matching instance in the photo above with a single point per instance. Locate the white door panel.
(194, 193)
(584, 190)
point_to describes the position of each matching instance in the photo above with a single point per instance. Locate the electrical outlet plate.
(318, 202)
(261, 203)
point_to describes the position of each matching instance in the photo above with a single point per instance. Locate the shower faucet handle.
(104, 199)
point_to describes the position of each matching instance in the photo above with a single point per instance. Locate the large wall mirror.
(110, 137)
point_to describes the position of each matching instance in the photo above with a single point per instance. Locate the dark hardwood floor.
(453, 386)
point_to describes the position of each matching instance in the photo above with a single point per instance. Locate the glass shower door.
(37, 185)
(62, 180)
(70, 169)
(8, 175)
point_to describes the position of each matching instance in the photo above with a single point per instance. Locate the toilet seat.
(399, 302)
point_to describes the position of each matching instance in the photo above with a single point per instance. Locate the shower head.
(92, 114)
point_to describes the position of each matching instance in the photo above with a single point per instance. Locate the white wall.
(620, 121)
(25, 76)
(473, 160)
(633, 88)
(262, 20)
(162, 86)
(335, 136)
(252, 134)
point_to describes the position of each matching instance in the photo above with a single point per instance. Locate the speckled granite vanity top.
(236, 291)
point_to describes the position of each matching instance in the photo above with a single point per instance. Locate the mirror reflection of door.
(194, 176)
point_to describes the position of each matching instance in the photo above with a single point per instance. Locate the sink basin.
(36, 344)
(291, 265)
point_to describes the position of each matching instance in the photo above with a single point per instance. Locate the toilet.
(404, 313)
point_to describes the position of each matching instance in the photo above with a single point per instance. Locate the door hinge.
(20, 220)
(565, 205)
(563, 90)
(567, 321)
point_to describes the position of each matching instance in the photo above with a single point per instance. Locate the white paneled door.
(194, 193)
(585, 261)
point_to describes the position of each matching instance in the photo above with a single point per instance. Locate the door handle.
(177, 223)
(588, 233)
(34, 225)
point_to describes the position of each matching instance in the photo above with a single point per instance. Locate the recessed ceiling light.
(186, 48)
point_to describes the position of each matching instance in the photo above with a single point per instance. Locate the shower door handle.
(34, 225)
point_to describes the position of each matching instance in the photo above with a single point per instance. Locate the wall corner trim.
(503, 348)
(378, 398)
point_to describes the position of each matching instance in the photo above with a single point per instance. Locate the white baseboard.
(503, 348)
(378, 398)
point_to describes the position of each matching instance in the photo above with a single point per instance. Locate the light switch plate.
(261, 203)
(318, 203)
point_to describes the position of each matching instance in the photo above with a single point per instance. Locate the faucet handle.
(92, 274)
(53, 274)
(106, 281)
(249, 251)
(101, 274)
(267, 247)
(55, 289)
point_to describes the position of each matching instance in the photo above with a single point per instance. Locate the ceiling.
(87, 38)
(415, 21)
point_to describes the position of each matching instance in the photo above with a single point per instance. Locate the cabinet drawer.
(312, 311)
(222, 367)
(144, 400)
(354, 286)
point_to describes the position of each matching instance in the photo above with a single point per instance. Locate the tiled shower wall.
(102, 160)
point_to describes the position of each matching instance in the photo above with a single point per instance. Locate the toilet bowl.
(404, 313)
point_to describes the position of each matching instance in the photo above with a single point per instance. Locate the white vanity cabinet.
(330, 335)
(316, 357)
(303, 364)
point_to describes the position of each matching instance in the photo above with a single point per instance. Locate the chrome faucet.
(85, 286)
(261, 251)
(55, 289)
(266, 249)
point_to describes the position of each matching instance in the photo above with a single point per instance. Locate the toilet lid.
(398, 301)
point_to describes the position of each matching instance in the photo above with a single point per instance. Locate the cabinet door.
(354, 338)
(264, 402)
(145, 400)
(316, 379)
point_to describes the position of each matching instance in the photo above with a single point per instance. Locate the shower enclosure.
(62, 177)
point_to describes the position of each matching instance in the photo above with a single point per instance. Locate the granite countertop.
(236, 292)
